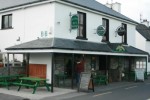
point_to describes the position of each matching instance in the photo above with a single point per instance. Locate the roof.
(58, 43)
(68, 44)
(94, 5)
(144, 31)
(127, 48)
(6, 4)
(90, 4)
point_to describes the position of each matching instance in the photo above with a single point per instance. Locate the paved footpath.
(59, 94)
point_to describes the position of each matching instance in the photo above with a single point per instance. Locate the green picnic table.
(32, 82)
(8, 80)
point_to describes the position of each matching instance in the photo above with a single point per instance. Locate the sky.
(133, 8)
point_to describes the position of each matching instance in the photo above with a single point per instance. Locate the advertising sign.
(101, 30)
(74, 21)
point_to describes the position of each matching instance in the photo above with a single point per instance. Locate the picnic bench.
(100, 79)
(32, 82)
(7, 80)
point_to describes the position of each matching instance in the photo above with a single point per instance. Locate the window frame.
(125, 35)
(106, 35)
(7, 21)
(83, 25)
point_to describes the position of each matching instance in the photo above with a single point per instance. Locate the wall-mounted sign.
(121, 31)
(74, 21)
(44, 34)
(100, 30)
(86, 82)
(120, 48)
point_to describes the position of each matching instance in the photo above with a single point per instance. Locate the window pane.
(82, 25)
(80, 18)
(81, 31)
(104, 23)
(10, 21)
(5, 24)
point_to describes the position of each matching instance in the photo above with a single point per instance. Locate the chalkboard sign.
(139, 74)
(86, 82)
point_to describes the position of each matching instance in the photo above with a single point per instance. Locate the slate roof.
(128, 49)
(58, 43)
(68, 44)
(144, 31)
(90, 4)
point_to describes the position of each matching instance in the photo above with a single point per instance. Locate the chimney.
(145, 22)
(115, 6)
(109, 5)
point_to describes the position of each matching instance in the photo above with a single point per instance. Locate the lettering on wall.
(44, 34)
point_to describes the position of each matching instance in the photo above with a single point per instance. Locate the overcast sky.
(133, 8)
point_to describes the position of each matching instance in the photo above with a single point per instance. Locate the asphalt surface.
(113, 91)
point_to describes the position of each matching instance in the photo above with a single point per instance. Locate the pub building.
(78, 31)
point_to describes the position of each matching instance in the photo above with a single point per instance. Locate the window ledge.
(6, 28)
(82, 38)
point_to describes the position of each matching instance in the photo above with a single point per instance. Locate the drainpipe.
(72, 71)
(8, 67)
(52, 74)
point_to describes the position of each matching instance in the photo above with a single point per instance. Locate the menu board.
(139, 73)
(86, 82)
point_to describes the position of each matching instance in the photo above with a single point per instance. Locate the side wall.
(29, 24)
(62, 25)
(43, 58)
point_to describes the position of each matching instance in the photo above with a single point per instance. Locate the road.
(134, 91)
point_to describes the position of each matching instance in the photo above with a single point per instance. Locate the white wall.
(28, 23)
(147, 46)
(43, 58)
(140, 41)
(93, 21)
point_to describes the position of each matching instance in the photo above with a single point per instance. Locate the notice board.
(139, 74)
(86, 82)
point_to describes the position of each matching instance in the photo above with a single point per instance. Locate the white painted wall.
(140, 41)
(28, 23)
(43, 58)
(142, 44)
(93, 21)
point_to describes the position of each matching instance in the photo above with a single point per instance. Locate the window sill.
(6, 28)
(82, 38)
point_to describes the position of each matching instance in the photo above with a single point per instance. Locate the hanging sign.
(121, 31)
(101, 30)
(74, 21)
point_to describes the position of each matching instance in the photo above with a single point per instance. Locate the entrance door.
(103, 66)
(37, 70)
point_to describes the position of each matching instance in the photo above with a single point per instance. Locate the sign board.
(101, 30)
(74, 21)
(139, 74)
(86, 82)
(121, 31)
(120, 48)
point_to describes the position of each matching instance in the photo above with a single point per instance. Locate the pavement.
(59, 93)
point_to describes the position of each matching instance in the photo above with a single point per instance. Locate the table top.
(10, 76)
(33, 78)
